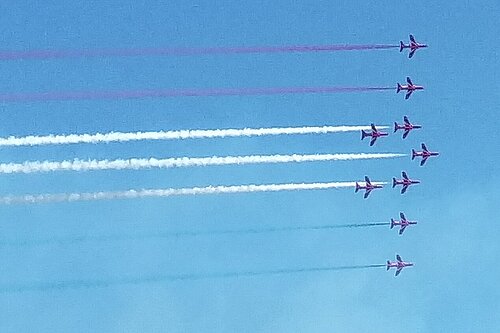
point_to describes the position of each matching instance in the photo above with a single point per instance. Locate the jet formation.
(375, 133)
(405, 181)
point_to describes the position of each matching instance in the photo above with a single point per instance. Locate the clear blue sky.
(452, 288)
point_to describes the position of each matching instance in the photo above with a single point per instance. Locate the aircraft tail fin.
(388, 265)
(395, 127)
(357, 188)
(363, 134)
(392, 223)
(399, 88)
(413, 154)
(394, 182)
(401, 46)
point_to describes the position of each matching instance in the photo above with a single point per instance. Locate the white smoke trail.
(180, 162)
(145, 193)
(173, 135)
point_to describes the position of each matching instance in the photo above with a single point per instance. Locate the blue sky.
(454, 285)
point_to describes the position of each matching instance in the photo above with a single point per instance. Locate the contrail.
(134, 52)
(147, 193)
(179, 234)
(139, 280)
(129, 94)
(174, 135)
(180, 162)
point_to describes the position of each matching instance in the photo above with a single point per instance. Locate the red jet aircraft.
(410, 87)
(406, 126)
(375, 134)
(403, 223)
(412, 45)
(368, 187)
(405, 182)
(425, 153)
(399, 264)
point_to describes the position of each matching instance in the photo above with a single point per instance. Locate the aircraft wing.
(405, 134)
(408, 80)
(403, 227)
(403, 189)
(398, 271)
(424, 147)
(372, 141)
(405, 119)
(398, 257)
(412, 52)
(408, 94)
(424, 159)
(373, 128)
(405, 176)
(367, 180)
(367, 193)
(412, 38)
(402, 216)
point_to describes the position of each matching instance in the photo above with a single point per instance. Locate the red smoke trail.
(133, 52)
(129, 94)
